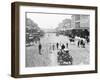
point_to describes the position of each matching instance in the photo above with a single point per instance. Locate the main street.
(48, 55)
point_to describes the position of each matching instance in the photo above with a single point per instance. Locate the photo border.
(15, 32)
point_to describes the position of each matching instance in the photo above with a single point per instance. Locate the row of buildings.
(78, 25)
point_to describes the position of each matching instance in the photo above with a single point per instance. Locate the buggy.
(64, 58)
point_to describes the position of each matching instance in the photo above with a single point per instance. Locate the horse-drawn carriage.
(64, 58)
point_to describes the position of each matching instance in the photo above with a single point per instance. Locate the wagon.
(64, 58)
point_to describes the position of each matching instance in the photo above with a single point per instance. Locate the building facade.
(80, 25)
(80, 21)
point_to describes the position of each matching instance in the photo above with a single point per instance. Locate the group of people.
(81, 43)
(53, 46)
(59, 45)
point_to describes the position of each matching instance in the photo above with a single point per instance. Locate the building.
(80, 21)
(80, 24)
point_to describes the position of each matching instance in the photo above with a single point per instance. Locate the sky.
(47, 21)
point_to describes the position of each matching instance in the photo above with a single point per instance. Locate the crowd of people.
(53, 46)
(60, 45)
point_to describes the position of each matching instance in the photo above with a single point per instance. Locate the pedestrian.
(87, 40)
(57, 45)
(40, 47)
(81, 42)
(78, 43)
(84, 43)
(63, 46)
(53, 46)
(67, 44)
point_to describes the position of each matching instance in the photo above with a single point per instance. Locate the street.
(49, 51)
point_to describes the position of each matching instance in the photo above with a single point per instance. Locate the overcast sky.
(47, 21)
